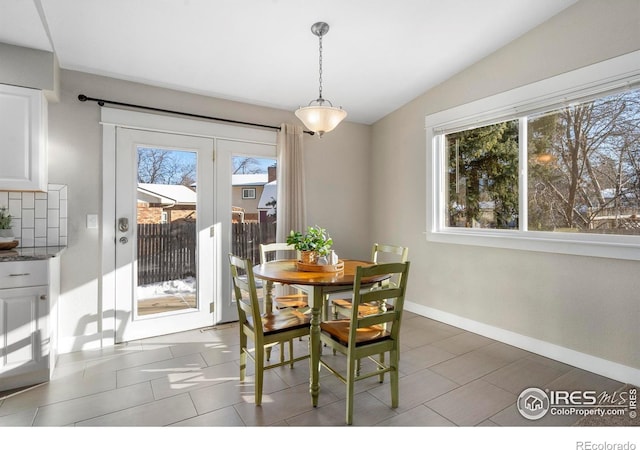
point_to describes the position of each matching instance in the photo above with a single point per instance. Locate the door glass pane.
(254, 205)
(166, 231)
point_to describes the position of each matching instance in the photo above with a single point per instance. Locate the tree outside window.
(483, 177)
(583, 168)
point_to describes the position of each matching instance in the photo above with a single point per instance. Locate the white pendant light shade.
(321, 119)
(317, 117)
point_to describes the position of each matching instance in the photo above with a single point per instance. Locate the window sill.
(601, 246)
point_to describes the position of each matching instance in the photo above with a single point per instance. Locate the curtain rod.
(102, 102)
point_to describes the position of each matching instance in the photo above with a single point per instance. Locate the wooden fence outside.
(168, 251)
(247, 237)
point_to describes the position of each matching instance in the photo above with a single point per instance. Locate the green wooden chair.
(369, 336)
(269, 252)
(265, 330)
(380, 253)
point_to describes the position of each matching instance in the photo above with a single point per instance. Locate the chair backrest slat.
(386, 253)
(376, 319)
(244, 282)
(269, 252)
(391, 319)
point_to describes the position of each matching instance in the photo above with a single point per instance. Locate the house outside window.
(542, 173)
(249, 193)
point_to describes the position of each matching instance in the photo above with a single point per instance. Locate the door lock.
(123, 224)
(124, 240)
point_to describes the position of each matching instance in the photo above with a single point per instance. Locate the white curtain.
(291, 207)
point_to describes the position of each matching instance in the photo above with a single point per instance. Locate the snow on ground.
(165, 288)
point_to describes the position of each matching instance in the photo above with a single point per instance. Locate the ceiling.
(377, 56)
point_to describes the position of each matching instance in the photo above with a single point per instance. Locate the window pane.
(584, 167)
(166, 231)
(483, 177)
(253, 211)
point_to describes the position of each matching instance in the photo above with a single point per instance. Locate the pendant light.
(320, 116)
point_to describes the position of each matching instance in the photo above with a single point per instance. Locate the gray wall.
(337, 170)
(30, 68)
(590, 305)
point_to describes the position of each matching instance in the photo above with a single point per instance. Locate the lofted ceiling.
(377, 56)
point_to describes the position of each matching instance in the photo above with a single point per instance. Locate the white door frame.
(111, 118)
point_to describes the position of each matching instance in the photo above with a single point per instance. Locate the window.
(483, 177)
(550, 173)
(248, 193)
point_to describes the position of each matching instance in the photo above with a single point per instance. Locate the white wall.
(586, 305)
(337, 170)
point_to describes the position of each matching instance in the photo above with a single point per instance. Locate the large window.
(551, 171)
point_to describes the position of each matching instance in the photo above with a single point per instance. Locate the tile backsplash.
(39, 218)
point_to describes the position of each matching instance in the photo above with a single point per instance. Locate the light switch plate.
(92, 221)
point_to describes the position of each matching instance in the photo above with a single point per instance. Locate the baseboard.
(71, 344)
(565, 355)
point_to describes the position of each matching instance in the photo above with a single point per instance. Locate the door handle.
(123, 224)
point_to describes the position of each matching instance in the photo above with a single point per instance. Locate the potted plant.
(314, 243)
(5, 223)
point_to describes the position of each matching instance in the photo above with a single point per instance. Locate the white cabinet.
(28, 305)
(23, 139)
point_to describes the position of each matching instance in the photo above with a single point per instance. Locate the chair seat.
(339, 331)
(291, 301)
(281, 320)
(365, 309)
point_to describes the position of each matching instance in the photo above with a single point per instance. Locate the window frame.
(579, 85)
(247, 190)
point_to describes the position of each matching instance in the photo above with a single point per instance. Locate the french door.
(230, 198)
(165, 247)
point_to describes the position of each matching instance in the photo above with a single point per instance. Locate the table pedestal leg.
(268, 297)
(315, 301)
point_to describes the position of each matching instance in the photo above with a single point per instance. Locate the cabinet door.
(23, 336)
(22, 139)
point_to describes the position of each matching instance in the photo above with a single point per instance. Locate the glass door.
(164, 228)
(247, 207)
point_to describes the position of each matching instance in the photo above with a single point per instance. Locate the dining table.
(318, 285)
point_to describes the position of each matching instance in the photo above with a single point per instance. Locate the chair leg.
(381, 376)
(394, 357)
(259, 375)
(243, 356)
(291, 352)
(350, 389)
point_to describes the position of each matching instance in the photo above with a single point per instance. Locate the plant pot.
(308, 257)
(6, 232)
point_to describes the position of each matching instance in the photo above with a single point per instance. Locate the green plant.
(316, 239)
(5, 219)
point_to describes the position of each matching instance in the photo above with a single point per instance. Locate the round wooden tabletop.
(286, 271)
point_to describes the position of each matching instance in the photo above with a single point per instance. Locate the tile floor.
(450, 377)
